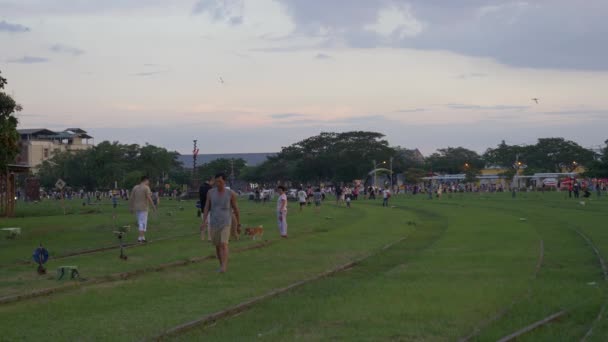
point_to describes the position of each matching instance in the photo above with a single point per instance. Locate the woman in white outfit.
(282, 212)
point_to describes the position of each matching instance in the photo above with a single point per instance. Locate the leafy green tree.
(224, 165)
(338, 157)
(405, 159)
(454, 160)
(550, 153)
(414, 175)
(503, 155)
(9, 137)
(599, 167)
(470, 174)
(103, 165)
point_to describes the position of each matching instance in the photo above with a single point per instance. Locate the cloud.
(228, 11)
(60, 48)
(29, 60)
(286, 115)
(460, 106)
(323, 56)
(471, 75)
(580, 113)
(542, 34)
(415, 110)
(396, 22)
(286, 48)
(149, 73)
(18, 8)
(12, 28)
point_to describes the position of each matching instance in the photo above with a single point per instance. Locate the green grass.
(466, 259)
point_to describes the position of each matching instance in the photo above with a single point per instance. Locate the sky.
(257, 75)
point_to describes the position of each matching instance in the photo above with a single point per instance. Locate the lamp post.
(518, 165)
(391, 174)
(569, 166)
(376, 167)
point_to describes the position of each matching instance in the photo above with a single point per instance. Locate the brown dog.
(254, 232)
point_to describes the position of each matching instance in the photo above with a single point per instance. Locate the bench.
(12, 232)
(71, 270)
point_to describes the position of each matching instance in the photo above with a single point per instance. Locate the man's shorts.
(318, 203)
(220, 235)
(302, 204)
(142, 220)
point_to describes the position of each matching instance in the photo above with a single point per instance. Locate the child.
(348, 201)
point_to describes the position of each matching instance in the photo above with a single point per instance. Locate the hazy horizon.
(253, 76)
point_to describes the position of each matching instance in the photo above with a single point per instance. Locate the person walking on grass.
(218, 216)
(282, 212)
(302, 198)
(139, 204)
(386, 194)
(318, 197)
(339, 195)
(202, 195)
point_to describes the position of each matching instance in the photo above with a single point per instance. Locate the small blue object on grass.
(40, 256)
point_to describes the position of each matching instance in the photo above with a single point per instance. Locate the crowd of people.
(221, 217)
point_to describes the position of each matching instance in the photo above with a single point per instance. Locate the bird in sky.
(535, 100)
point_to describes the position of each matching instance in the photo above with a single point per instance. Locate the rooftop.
(47, 134)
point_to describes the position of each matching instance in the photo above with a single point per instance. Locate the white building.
(40, 144)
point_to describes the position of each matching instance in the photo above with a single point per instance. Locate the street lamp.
(376, 167)
(518, 165)
(569, 166)
(391, 174)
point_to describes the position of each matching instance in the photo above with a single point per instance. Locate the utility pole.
(194, 170)
(231, 172)
(391, 174)
(374, 163)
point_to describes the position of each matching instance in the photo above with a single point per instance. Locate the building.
(40, 144)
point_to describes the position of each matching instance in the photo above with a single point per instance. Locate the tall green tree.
(224, 165)
(454, 160)
(338, 157)
(599, 167)
(109, 162)
(503, 155)
(9, 137)
(550, 153)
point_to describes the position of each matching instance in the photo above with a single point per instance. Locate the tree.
(338, 157)
(503, 155)
(549, 154)
(599, 167)
(103, 165)
(414, 175)
(454, 160)
(9, 137)
(224, 165)
(470, 174)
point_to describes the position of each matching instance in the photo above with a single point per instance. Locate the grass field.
(476, 266)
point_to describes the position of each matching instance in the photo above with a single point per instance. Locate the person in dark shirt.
(202, 193)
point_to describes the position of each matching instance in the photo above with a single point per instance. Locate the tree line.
(327, 157)
(343, 157)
